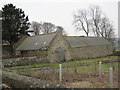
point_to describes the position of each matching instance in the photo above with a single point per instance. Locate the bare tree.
(101, 25)
(36, 26)
(47, 27)
(106, 28)
(94, 21)
(64, 33)
(95, 14)
(82, 21)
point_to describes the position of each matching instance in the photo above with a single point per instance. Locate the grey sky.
(61, 12)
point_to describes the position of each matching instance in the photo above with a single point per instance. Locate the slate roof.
(43, 41)
(77, 41)
(36, 42)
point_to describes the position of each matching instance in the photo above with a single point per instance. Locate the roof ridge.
(43, 34)
(84, 36)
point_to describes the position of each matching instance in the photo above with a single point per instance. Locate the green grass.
(90, 68)
(70, 62)
(35, 65)
(70, 66)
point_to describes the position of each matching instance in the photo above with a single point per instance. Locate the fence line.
(76, 64)
(66, 73)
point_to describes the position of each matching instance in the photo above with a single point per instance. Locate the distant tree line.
(45, 27)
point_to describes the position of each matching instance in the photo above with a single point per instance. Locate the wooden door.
(60, 55)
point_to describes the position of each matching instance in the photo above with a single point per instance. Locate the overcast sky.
(60, 12)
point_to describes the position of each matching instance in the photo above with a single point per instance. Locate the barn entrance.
(60, 55)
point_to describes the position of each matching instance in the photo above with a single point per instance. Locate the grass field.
(86, 65)
(73, 72)
(71, 62)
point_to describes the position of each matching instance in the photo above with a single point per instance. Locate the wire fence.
(78, 75)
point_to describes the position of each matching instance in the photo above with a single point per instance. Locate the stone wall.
(24, 61)
(33, 53)
(37, 53)
(92, 51)
(19, 81)
(5, 51)
(59, 42)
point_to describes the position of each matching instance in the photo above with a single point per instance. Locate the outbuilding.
(59, 48)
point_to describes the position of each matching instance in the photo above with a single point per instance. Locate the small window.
(24, 53)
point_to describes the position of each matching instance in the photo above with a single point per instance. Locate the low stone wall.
(19, 81)
(24, 61)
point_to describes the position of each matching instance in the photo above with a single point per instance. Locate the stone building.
(58, 48)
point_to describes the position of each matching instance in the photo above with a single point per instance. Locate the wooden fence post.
(110, 77)
(75, 68)
(100, 69)
(1, 65)
(53, 73)
(95, 66)
(60, 72)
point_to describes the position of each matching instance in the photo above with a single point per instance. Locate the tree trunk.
(11, 50)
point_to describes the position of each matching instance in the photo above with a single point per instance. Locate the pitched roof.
(36, 42)
(77, 41)
(43, 41)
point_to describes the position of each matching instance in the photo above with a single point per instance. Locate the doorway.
(60, 55)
